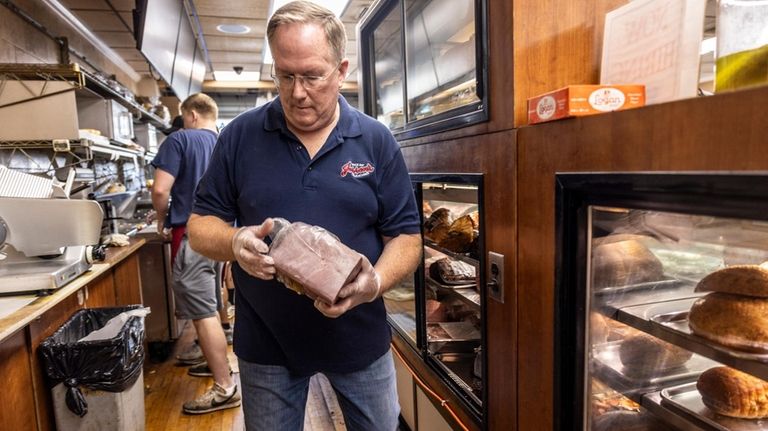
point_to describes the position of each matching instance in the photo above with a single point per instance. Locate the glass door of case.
(660, 321)
(451, 308)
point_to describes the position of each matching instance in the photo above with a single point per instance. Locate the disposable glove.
(250, 250)
(364, 288)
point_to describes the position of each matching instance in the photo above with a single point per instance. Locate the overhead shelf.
(21, 72)
(103, 89)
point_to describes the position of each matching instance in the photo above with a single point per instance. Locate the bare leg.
(214, 346)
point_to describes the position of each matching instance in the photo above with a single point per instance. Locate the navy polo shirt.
(357, 187)
(185, 155)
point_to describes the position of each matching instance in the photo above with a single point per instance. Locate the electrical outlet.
(495, 277)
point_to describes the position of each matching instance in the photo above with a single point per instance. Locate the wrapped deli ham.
(311, 260)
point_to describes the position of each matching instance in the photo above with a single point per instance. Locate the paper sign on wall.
(655, 43)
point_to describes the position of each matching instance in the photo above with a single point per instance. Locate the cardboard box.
(579, 100)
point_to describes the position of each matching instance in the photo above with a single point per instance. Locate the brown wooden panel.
(556, 43)
(493, 155)
(431, 380)
(17, 399)
(724, 132)
(101, 292)
(128, 282)
(39, 330)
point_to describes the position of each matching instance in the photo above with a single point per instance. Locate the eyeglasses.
(286, 81)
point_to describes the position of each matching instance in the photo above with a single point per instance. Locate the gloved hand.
(364, 288)
(251, 251)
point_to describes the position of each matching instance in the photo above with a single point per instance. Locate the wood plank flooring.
(167, 387)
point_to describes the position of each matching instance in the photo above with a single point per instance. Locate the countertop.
(39, 305)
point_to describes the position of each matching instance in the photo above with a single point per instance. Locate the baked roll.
(748, 280)
(645, 355)
(622, 263)
(735, 321)
(730, 392)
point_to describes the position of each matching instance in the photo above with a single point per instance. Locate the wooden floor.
(167, 387)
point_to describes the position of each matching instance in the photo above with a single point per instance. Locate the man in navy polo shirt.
(308, 156)
(179, 164)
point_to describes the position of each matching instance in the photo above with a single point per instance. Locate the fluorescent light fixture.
(233, 28)
(229, 75)
(335, 6)
(708, 45)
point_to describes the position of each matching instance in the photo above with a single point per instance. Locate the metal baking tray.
(609, 367)
(669, 321)
(431, 281)
(463, 337)
(643, 293)
(686, 400)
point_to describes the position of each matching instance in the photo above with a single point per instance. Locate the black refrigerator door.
(640, 331)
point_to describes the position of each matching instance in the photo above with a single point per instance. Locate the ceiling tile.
(101, 20)
(116, 39)
(238, 9)
(234, 57)
(226, 43)
(209, 26)
(129, 54)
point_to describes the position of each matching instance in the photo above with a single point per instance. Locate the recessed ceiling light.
(233, 28)
(228, 75)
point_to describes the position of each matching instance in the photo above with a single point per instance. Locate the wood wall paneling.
(432, 381)
(556, 43)
(493, 155)
(724, 132)
(39, 330)
(101, 292)
(17, 398)
(127, 280)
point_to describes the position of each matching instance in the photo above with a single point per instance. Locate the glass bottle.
(742, 44)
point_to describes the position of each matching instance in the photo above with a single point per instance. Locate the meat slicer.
(46, 243)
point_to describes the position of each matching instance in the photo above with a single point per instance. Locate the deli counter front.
(661, 302)
(440, 312)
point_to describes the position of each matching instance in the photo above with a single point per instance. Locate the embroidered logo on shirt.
(357, 170)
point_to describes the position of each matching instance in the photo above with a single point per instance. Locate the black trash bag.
(111, 365)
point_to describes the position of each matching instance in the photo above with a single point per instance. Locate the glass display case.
(442, 313)
(661, 299)
(423, 64)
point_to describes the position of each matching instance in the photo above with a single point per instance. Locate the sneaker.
(212, 400)
(191, 356)
(228, 334)
(200, 370)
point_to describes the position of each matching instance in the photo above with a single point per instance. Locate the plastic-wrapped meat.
(311, 260)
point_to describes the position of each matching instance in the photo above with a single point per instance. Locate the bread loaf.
(622, 263)
(748, 280)
(735, 321)
(449, 271)
(730, 392)
(460, 235)
(598, 327)
(644, 355)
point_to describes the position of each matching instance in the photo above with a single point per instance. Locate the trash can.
(98, 381)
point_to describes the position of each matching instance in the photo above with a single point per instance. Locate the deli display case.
(423, 64)
(661, 301)
(441, 311)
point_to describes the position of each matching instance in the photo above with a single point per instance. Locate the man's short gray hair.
(307, 12)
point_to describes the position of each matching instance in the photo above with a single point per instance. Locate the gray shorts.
(196, 284)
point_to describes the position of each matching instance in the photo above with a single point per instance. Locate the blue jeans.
(274, 399)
